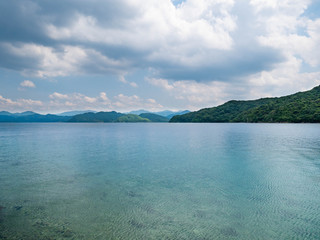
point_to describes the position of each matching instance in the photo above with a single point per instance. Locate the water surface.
(159, 181)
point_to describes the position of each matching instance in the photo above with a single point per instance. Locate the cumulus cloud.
(52, 62)
(102, 102)
(75, 101)
(284, 80)
(135, 102)
(154, 23)
(27, 84)
(162, 83)
(198, 40)
(193, 93)
(123, 80)
(286, 32)
(56, 95)
(19, 104)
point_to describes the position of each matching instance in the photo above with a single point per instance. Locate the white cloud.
(19, 104)
(195, 40)
(64, 102)
(207, 22)
(56, 95)
(135, 102)
(297, 38)
(133, 84)
(194, 94)
(27, 84)
(309, 48)
(104, 97)
(162, 83)
(76, 100)
(285, 79)
(67, 60)
(123, 80)
(90, 99)
(155, 34)
(119, 102)
(198, 40)
(283, 23)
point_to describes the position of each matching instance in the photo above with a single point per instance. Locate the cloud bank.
(200, 40)
(238, 49)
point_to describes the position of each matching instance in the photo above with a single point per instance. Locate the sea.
(195, 181)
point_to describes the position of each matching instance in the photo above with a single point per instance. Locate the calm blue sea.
(159, 181)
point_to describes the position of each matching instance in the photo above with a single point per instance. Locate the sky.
(124, 55)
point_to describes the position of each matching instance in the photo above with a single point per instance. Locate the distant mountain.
(97, 117)
(31, 117)
(132, 118)
(166, 113)
(43, 118)
(177, 113)
(73, 113)
(5, 113)
(83, 117)
(302, 107)
(7, 117)
(154, 117)
(137, 112)
(27, 113)
(169, 114)
(117, 117)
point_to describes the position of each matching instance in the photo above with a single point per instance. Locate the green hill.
(84, 117)
(132, 118)
(97, 117)
(302, 107)
(108, 117)
(154, 117)
(31, 117)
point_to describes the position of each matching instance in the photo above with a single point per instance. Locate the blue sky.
(125, 55)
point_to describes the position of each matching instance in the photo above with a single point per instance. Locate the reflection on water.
(159, 181)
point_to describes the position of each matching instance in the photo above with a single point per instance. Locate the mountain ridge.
(73, 113)
(82, 116)
(117, 117)
(165, 113)
(300, 107)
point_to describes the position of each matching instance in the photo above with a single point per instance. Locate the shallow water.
(159, 181)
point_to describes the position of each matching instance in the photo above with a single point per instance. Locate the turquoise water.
(159, 181)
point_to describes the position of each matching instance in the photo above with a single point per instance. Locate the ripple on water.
(192, 181)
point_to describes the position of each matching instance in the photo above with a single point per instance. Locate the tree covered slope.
(114, 117)
(296, 108)
(31, 117)
(97, 117)
(154, 117)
